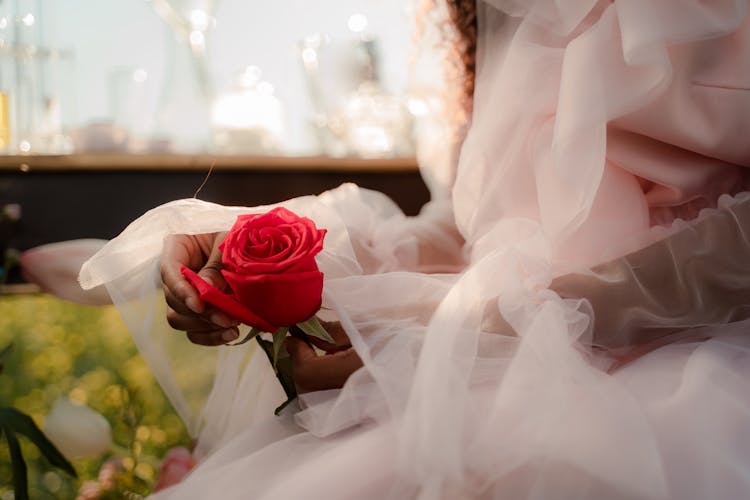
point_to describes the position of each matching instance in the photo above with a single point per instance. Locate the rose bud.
(77, 430)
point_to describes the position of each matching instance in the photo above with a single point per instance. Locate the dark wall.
(64, 205)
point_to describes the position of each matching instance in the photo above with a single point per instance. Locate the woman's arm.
(695, 277)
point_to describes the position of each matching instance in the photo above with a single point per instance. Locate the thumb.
(211, 270)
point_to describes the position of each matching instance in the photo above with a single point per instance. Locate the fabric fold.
(552, 239)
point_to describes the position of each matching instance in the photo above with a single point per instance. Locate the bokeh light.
(84, 353)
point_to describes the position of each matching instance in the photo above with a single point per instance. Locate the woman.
(587, 335)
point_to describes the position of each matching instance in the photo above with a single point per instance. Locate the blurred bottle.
(6, 40)
(249, 119)
(354, 114)
(6, 37)
(25, 49)
(4, 119)
(183, 112)
(33, 80)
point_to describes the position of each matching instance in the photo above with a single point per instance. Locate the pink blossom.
(109, 469)
(55, 266)
(174, 467)
(89, 490)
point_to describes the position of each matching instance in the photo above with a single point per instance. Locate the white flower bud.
(77, 430)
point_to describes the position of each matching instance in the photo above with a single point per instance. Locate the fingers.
(212, 317)
(336, 331)
(180, 250)
(327, 346)
(220, 329)
(316, 373)
(213, 337)
(197, 252)
(204, 324)
(183, 299)
(211, 269)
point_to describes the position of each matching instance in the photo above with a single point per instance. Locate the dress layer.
(580, 340)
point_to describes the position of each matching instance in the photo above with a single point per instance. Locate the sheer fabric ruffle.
(508, 378)
(539, 414)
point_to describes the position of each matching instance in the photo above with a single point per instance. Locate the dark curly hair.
(463, 16)
(451, 25)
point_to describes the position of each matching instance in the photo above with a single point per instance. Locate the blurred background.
(290, 77)
(111, 107)
(128, 104)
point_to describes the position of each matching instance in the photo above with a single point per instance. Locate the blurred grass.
(84, 353)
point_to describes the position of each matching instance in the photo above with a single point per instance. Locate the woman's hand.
(313, 372)
(203, 323)
(206, 325)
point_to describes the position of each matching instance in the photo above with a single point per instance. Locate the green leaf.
(15, 421)
(283, 372)
(278, 342)
(283, 405)
(313, 328)
(18, 466)
(250, 336)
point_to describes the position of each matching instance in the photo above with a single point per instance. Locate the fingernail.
(193, 304)
(229, 335)
(221, 320)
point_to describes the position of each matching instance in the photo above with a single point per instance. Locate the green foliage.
(254, 332)
(84, 353)
(282, 366)
(278, 343)
(12, 423)
(313, 328)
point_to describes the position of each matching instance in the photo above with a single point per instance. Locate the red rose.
(269, 264)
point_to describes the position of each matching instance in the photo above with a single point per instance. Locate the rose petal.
(225, 302)
(285, 214)
(285, 299)
(274, 242)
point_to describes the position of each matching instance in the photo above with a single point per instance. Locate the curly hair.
(463, 16)
(452, 26)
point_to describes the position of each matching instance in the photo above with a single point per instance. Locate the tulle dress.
(568, 316)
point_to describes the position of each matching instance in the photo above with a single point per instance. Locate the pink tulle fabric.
(565, 320)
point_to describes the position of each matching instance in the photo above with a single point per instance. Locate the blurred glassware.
(375, 124)
(25, 49)
(4, 111)
(100, 136)
(34, 83)
(55, 102)
(127, 96)
(6, 40)
(249, 119)
(353, 114)
(184, 108)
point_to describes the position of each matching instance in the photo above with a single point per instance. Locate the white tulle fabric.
(568, 349)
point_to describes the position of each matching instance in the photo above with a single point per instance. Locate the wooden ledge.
(19, 289)
(202, 162)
